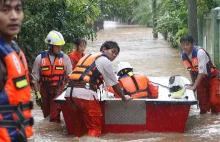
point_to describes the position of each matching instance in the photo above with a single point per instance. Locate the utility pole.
(154, 13)
(192, 20)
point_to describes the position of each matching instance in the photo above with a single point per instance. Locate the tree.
(142, 13)
(192, 20)
(70, 17)
(118, 8)
(154, 17)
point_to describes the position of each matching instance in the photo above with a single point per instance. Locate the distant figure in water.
(78, 53)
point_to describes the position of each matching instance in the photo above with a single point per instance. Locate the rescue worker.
(15, 106)
(50, 71)
(134, 85)
(205, 77)
(85, 79)
(78, 53)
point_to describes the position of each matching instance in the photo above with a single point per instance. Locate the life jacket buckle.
(87, 86)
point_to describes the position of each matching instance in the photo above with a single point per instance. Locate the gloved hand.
(65, 87)
(38, 98)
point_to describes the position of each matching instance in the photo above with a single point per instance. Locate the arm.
(35, 83)
(35, 75)
(197, 81)
(202, 70)
(68, 65)
(192, 78)
(118, 91)
(68, 68)
(105, 68)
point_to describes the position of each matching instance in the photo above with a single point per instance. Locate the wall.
(209, 34)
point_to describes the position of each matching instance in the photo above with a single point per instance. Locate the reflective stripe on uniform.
(59, 68)
(45, 68)
(21, 84)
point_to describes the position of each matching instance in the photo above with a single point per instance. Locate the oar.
(165, 87)
(160, 84)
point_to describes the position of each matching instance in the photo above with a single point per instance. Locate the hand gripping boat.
(168, 113)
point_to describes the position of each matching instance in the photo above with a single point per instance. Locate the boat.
(164, 114)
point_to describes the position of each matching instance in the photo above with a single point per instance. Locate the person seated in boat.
(134, 85)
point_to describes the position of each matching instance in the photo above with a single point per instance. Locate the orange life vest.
(15, 105)
(192, 65)
(87, 71)
(75, 56)
(52, 75)
(135, 86)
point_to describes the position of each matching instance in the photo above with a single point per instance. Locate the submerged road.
(148, 56)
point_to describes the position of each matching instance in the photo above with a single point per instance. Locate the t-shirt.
(203, 59)
(104, 66)
(36, 65)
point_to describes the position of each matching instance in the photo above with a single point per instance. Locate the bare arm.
(192, 78)
(118, 91)
(197, 81)
(35, 83)
(35, 75)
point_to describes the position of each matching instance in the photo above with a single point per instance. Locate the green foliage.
(142, 13)
(71, 17)
(179, 34)
(204, 6)
(118, 8)
(172, 18)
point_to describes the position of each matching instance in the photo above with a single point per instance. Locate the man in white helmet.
(134, 85)
(50, 71)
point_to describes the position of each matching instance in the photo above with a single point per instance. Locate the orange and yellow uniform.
(137, 86)
(207, 90)
(88, 112)
(15, 106)
(52, 79)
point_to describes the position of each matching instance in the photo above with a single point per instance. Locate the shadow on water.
(153, 58)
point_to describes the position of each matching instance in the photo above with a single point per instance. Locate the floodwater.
(153, 58)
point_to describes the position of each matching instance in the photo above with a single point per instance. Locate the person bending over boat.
(134, 85)
(205, 77)
(89, 74)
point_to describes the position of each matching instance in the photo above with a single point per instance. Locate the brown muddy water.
(153, 58)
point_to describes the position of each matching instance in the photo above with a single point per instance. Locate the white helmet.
(176, 86)
(123, 66)
(55, 38)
